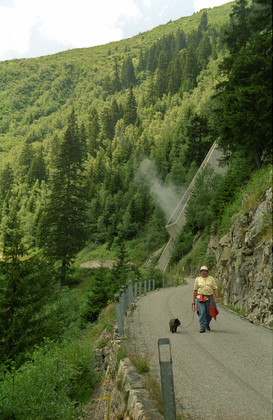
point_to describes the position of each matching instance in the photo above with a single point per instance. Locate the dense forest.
(97, 146)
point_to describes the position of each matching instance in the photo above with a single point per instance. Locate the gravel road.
(223, 374)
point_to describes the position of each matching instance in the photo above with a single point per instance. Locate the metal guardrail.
(130, 292)
(166, 375)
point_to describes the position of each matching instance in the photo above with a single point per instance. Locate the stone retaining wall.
(122, 394)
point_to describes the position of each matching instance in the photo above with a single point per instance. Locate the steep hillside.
(36, 94)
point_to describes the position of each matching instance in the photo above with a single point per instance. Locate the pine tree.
(116, 83)
(37, 170)
(93, 130)
(127, 73)
(151, 58)
(130, 109)
(141, 62)
(244, 113)
(25, 158)
(180, 40)
(175, 74)
(162, 77)
(107, 124)
(203, 26)
(6, 180)
(190, 69)
(151, 94)
(62, 227)
(26, 285)
(197, 139)
(239, 28)
(204, 51)
(115, 111)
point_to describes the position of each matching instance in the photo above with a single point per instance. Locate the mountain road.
(223, 374)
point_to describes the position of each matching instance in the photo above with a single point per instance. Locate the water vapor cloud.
(168, 195)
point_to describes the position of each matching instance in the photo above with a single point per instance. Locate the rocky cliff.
(244, 261)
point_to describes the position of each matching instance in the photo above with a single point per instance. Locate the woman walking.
(204, 290)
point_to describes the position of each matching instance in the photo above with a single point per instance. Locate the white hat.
(204, 267)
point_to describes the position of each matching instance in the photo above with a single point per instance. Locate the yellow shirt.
(204, 286)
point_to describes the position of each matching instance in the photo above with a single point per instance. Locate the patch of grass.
(254, 190)
(140, 362)
(247, 198)
(121, 354)
(196, 256)
(266, 232)
(237, 310)
(105, 321)
(94, 252)
(154, 389)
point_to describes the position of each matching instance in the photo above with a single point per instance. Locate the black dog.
(174, 323)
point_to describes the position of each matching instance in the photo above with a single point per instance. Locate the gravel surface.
(223, 374)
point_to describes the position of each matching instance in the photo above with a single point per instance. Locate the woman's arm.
(216, 295)
(194, 296)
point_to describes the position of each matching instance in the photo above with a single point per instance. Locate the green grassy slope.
(35, 94)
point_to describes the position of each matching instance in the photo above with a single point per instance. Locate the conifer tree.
(37, 170)
(204, 51)
(197, 139)
(203, 26)
(6, 180)
(130, 108)
(127, 73)
(62, 227)
(93, 130)
(162, 77)
(151, 58)
(107, 124)
(115, 111)
(175, 74)
(151, 95)
(244, 113)
(116, 83)
(180, 40)
(190, 69)
(238, 32)
(25, 158)
(26, 285)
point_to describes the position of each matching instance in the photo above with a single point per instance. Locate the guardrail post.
(145, 287)
(127, 297)
(131, 296)
(119, 315)
(139, 288)
(149, 285)
(167, 385)
(122, 301)
(135, 290)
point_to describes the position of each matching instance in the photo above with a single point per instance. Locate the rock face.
(122, 394)
(244, 262)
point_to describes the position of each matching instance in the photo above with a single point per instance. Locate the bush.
(52, 385)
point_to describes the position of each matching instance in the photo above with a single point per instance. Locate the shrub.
(52, 385)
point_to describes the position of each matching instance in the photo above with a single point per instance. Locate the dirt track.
(97, 264)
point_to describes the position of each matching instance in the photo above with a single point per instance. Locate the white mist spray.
(167, 196)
